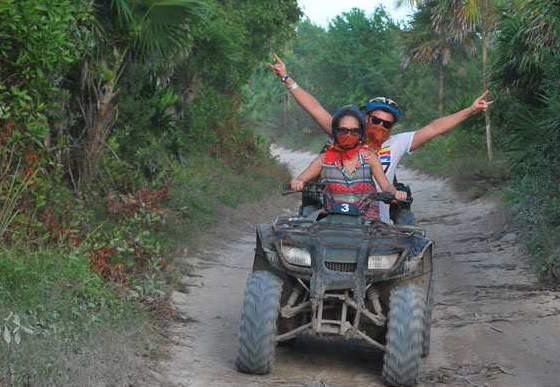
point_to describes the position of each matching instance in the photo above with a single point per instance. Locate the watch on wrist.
(285, 78)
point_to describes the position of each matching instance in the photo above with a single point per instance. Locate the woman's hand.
(400, 195)
(279, 67)
(297, 184)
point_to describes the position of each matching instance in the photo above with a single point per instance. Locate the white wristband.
(293, 86)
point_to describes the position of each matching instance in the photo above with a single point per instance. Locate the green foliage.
(535, 192)
(39, 41)
(517, 65)
(122, 129)
(30, 279)
(211, 183)
(149, 28)
(174, 96)
(525, 70)
(11, 189)
(239, 34)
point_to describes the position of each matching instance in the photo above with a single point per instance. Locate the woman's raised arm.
(303, 98)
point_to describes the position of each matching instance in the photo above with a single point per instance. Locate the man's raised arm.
(444, 124)
(303, 98)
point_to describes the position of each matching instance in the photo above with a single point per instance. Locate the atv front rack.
(345, 327)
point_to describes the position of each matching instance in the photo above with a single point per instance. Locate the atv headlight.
(382, 262)
(296, 256)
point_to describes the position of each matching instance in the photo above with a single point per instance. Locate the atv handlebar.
(309, 187)
(319, 188)
(385, 197)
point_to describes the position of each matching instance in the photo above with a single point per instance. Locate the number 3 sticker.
(345, 207)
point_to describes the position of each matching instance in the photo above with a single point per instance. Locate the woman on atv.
(348, 168)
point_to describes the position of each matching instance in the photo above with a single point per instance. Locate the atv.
(332, 273)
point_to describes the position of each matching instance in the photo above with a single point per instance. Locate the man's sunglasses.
(377, 121)
(343, 130)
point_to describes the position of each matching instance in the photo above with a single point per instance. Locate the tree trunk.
(484, 83)
(99, 124)
(440, 85)
(99, 115)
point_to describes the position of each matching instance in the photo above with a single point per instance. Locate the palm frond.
(162, 26)
(123, 12)
(542, 17)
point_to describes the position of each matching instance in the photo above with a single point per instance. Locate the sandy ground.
(494, 325)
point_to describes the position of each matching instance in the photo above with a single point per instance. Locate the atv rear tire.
(426, 332)
(402, 364)
(257, 328)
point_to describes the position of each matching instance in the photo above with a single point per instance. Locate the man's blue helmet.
(386, 104)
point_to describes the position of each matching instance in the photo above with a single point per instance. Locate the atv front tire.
(402, 364)
(257, 328)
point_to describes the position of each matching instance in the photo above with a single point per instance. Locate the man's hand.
(400, 195)
(279, 67)
(480, 103)
(444, 124)
(297, 184)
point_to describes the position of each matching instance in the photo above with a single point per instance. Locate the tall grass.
(12, 186)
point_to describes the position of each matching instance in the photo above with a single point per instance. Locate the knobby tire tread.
(257, 328)
(402, 360)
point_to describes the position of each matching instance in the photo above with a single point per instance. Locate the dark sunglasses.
(377, 121)
(343, 130)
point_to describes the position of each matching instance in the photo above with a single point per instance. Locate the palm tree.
(426, 44)
(147, 31)
(458, 18)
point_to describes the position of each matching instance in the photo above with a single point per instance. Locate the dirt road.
(494, 324)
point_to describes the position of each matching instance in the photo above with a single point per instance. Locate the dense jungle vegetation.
(122, 132)
(126, 124)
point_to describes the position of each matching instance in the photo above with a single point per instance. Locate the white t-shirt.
(390, 155)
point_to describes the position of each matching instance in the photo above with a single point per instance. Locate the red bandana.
(376, 136)
(335, 153)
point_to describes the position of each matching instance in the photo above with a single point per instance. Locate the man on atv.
(381, 115)
(348, 168)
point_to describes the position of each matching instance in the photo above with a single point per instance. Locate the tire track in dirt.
(494, 325)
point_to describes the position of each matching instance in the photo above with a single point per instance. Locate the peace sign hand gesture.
(279, 67)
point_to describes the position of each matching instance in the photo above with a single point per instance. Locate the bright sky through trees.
(321, 12)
